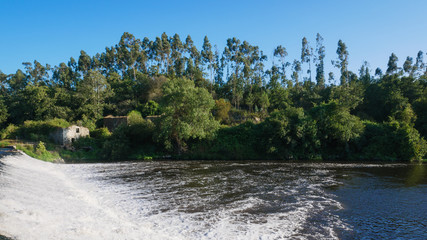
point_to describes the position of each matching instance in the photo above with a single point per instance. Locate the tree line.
(300, 110)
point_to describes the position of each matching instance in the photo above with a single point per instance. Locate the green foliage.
(239, 143)
(130, 140)
(290, 134)
(150, 108)
(92, 92)
(187, 114)
(222, 108)
(336, 128)
(9, 132)
(134, 117)
(391, 141)
(100, 133)
(118, 146)
(136, 73)
(33, 102)
(4, 144)
(349, 96)
(3, 112)
(39, 151)
(40, 130)
(279, 99)
(40, 148)
(420, 107)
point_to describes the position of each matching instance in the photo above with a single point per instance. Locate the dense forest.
(227, 104)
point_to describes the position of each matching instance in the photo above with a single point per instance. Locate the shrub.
(40, 130)
(135, 117)
(290, 134)
(9, 132)
(100, 133)
(150, 108)
(40, 148)
(391, 141)
(221, 109)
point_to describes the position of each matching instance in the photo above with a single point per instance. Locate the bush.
(337, 129)
(100, 133)
(150, 108)
(126, 141)
(40, 130)
(290, 134)
(230, 143)
(221, 109)
(391, 141)
(9, 132)
(40, 148)
(38, 151)
(134, 117)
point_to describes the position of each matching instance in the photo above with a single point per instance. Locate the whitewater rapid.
(40, 200)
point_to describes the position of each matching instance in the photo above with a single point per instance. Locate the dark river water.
(212, 200)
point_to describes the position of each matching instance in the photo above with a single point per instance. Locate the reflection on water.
(214, 200)
(385, 202)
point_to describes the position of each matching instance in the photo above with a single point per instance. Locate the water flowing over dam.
(210, 200)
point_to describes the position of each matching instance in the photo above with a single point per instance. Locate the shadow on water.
(384, 202)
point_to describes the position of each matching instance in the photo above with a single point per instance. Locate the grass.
(4, 143)
(34, 152)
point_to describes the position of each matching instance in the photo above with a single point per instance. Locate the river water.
(211, 200)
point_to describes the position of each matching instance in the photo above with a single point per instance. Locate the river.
(211, 200)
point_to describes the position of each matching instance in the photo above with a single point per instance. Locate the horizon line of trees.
(140, 74)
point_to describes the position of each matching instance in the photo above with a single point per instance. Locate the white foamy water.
(39, 200)
(164, 200)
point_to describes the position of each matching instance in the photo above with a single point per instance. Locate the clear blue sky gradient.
(53, 31)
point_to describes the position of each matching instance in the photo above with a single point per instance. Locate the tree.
(419, 64)
(129, 54)
(378, 72)
(407, 66)
(176, 55)
(165, 52)
(290, 134)
(336, 128)
(84, 62)
(37, 74)
(342, 62)
(3, 112)
(392, 64)
(233, 56)
(186, 114)
(92, 93)
(150, 108)
(306, 54)
(297, 68)
(222, 108)
(281, 53)
(31, 103)
(208, 58)
(320, 69)
(331, 78)
(365, 73)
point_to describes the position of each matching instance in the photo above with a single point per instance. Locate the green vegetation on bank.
(212, 105)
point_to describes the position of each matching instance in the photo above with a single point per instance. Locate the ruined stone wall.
(73, 133)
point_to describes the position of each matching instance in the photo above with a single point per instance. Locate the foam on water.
(41, 200)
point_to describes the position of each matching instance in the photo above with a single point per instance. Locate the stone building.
(66, 136)
(112, 122)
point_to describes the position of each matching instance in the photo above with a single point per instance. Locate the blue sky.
(53, 31)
